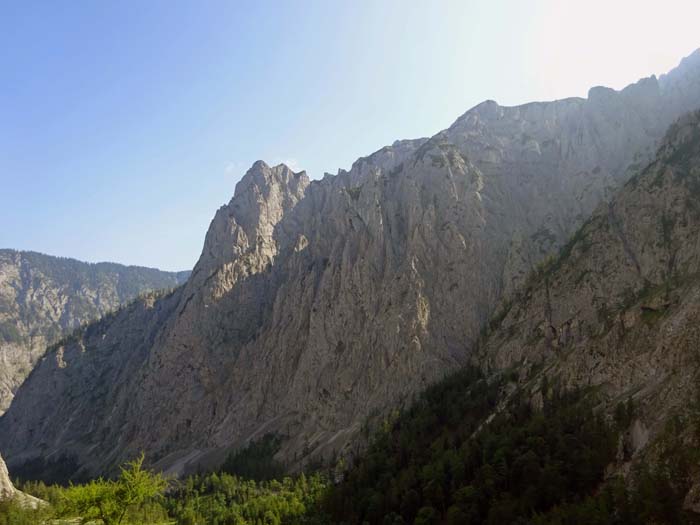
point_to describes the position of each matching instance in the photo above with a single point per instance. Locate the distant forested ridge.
(44, 298)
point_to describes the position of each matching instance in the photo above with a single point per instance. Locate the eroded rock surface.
(316, 305)
(618, 312)
(44, 298)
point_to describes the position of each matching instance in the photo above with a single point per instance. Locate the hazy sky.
(125, 125)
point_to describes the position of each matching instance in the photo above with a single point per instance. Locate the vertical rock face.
(43, 298)
(315, 305)
(547, 165)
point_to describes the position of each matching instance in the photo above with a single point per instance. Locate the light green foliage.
(137, 498)
(109, 501)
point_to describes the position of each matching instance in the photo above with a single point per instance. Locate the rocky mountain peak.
(265, 193)
(247, 223)
(314, 306)
(264, 178)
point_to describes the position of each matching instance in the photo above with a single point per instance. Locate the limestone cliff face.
(43, 298)
(619, 309)
(317, 304)
(548, 165)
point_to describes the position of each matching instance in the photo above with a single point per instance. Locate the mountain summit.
(316, 305)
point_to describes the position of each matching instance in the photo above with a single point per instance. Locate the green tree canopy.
(108, 501)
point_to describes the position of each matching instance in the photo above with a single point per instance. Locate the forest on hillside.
(437, 463)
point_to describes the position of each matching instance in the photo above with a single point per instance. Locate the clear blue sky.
(125, 125)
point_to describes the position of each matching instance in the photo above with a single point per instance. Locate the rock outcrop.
(44, 298)
(8, 491)
(316, 305)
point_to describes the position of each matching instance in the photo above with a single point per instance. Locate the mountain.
(43, 298)
(588, 373)
(618, 309)
(317, 305)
